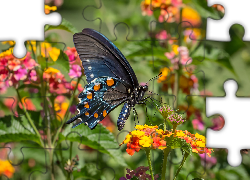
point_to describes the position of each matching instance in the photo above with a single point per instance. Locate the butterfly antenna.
(154, 78)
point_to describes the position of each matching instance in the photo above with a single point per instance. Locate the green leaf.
(65, 25)
(89, 171)
(44, 62)
(62, 62)
(15, 129)
(99, 138)
(213, 55)
(175, 142)
(204, 10)
(144, 49)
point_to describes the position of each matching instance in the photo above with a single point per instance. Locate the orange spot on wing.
(86, 105)
(89, 95)
(104, 113)
(86, 114)
(96, 115)
(110, 82)
(97, 87)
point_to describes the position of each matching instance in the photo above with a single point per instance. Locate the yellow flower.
(47, 9)
(48, 50)
(127, 139)
(54, 53)
(198, 136)
(32, 44)
(6, 168)
(11, 43)
(145, 141)
(137, 133)
(200, 144)
(139, 127)
(180, 134)
(175, 49)
(159, 131)
(7, 52)
(51, 70)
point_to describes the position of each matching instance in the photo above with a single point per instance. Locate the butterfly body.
(111, 80)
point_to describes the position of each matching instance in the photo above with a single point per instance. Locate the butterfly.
(111, 80)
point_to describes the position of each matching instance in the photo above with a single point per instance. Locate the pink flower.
(170, 55)
(3, 86)
(176, 3)
(20, 74)
(4, 74)
(162, 35)
(33, 76)
(197, 124)
(207, 161)
(75, 71)
(29, 63)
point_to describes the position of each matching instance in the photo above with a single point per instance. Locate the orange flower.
(6, 168)
(192, 16)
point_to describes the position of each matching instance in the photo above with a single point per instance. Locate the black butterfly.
(111, 80)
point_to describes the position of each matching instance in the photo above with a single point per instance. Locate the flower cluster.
(175, 119)
(154, 138)
(139, 172)
(197, 142)
(145, 137)
(12, 70)
(6, 168)
(179, 55)
(170, 11)
(168, 113)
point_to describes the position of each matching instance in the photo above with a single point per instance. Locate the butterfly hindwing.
(98, 99)
(100, 57)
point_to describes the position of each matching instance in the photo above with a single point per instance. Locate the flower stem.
(181, 165)
(164, 166)
(148, 153)
(29, 119)
(66, 114)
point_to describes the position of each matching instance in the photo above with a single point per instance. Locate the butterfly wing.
(100, 57)
(98, 99)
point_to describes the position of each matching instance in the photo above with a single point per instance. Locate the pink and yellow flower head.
(175, 119)
(165, 111)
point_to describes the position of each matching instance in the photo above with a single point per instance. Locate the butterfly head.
(141, 91)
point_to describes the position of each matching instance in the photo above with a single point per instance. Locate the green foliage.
(16, 129)
(89, 171)
(62, 62)
(65, 25)
(99, 138)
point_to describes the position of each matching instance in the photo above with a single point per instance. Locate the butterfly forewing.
(100, 57)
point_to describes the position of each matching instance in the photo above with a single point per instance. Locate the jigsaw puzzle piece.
(34, 30)
(225, 106)
(219, 29)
